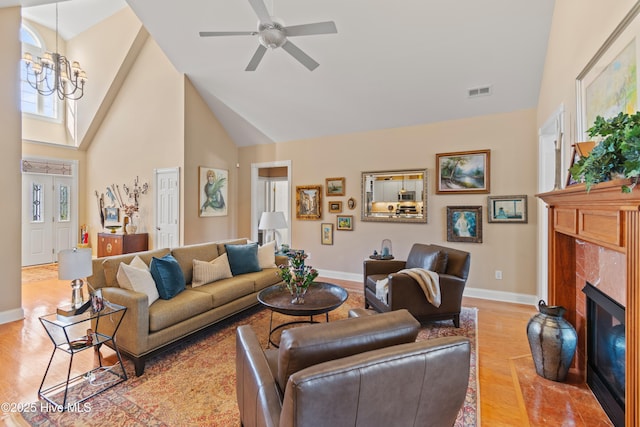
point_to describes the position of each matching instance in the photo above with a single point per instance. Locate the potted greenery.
(617, 155)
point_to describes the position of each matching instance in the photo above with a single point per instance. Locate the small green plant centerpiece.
(616, 155)
(296, 276)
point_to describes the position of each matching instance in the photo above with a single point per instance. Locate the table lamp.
(272, 221)
(74, 264)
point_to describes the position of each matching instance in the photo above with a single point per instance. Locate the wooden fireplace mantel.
(607, 217)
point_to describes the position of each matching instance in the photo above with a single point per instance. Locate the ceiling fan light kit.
(273, 34)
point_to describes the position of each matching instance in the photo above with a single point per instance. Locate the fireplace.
(606, 352)
(609, 219)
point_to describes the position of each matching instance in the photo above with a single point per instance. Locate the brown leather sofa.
(452, 266)
(364, 371)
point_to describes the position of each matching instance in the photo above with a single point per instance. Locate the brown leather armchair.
(452, 266)
(359, 372)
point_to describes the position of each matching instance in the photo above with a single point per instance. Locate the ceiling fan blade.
(302, 57)
(328, 27)
(256, 58)
(226, 33)
(261, 10)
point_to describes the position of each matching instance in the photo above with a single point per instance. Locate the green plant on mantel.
(617, 155)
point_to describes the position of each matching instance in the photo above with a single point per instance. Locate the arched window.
(32, 102)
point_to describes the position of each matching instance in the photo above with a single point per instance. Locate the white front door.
(167, 208)
(49, 223)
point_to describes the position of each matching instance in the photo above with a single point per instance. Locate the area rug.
(194, 383)
(39, 272)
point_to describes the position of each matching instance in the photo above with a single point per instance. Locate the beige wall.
(10, 124)
(142, 131)
(511, 248)
(206, 144)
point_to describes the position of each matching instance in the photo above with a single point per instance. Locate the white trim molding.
(11, 315)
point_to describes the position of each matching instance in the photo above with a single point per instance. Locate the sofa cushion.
(111, 264)
(168, 276)
(185, 305)
(186, 254)
(310, 345)
(212, 271)
(137, 277)
(227, 290)
(263, 279)
(267, 255)
(243, 258)
(222, 246)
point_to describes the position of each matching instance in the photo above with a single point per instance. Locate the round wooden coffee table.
(321, 298)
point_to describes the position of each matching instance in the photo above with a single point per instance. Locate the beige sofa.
(147, 329)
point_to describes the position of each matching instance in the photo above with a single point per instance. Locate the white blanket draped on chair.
(428, 280)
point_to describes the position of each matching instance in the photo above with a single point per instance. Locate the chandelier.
(54, 73)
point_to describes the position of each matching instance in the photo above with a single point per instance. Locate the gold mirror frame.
(394, 210)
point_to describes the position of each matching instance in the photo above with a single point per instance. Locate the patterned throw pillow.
(137, 277)
(212, 271)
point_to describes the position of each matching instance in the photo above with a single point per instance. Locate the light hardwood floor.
(509, 394)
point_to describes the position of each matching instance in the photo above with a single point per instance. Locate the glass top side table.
(72, 335)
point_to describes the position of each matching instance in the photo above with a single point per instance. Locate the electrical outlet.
(498, 274)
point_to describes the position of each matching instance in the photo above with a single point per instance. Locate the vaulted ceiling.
(391, 64)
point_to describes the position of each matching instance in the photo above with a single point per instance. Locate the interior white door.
(37, 219)
(167, 208)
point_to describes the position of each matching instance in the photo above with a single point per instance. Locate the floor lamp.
(272, 221)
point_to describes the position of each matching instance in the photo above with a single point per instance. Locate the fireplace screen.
(606, 352)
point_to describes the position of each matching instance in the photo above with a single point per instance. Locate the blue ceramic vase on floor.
(553, 342)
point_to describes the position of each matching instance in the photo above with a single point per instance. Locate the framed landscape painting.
(463, 172)
(335, 186)
(309, 202)
(213, 187)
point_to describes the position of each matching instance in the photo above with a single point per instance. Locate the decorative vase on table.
(553, 341)
(297, 276)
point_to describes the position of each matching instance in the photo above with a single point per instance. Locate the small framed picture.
(335, 207)
(351, 203)
(507, 209)
(111, 216)
(309, 202)
(345, 222)
(335, 186)
(464, 224)
(326, 233)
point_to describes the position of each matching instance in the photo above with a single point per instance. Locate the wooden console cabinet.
(118, 244)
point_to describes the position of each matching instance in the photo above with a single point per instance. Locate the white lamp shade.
(74, 264)
(272, 221)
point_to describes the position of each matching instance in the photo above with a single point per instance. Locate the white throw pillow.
(137, 277)
(267, 255)
(212, 271)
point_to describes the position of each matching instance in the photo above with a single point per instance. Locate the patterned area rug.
(194, 383)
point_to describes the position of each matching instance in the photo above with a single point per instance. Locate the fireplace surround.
(608, 219)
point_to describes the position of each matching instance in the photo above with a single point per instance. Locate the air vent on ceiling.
(479, 91)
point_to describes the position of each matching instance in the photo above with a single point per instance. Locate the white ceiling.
(391, 64)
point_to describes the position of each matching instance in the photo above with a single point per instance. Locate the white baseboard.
(11, 315)
(468, 292)
(501, 296)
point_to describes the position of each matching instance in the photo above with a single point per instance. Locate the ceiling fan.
(272, 34)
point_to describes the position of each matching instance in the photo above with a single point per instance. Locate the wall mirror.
(394, 196)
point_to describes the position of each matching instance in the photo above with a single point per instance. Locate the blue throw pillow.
(243, 258)
(168, 276)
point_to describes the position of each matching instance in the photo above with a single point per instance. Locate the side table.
(71, 335)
